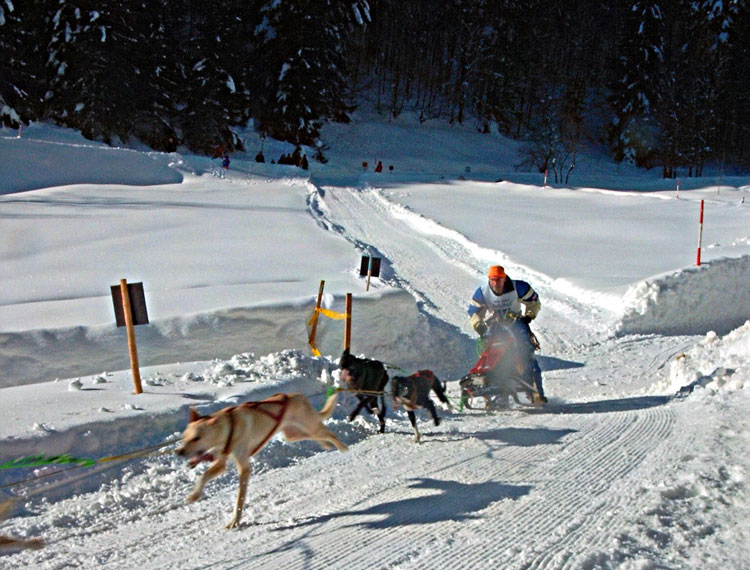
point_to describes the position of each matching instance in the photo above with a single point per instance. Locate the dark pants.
(524, 335)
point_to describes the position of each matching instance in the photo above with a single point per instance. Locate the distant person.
(225, 162)
(259, 157)
(305, 164)
(219, 152)
(296, 158)
(379, 167)
(500, 300)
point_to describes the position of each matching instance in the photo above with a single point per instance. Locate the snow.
(638, 461)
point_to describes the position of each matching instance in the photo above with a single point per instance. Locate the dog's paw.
(234, 523)
(192, 497)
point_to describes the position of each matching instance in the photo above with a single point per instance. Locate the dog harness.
(278, 399)
(414, 389)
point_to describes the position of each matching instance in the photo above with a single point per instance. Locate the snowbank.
(411, 341)
(716, 364)
(77, 164)
(713, 296)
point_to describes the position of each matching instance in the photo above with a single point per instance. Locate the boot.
(538, 399)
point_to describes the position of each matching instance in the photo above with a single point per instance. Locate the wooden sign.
(137, 304)
(130, 310)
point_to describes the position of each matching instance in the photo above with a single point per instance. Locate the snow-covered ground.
(639, 460)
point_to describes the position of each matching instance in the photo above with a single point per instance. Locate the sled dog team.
(239, 432)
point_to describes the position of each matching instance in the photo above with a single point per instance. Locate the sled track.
(529, 478)
(477, 487)
(368, 220)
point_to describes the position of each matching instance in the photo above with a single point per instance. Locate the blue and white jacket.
(516, 294)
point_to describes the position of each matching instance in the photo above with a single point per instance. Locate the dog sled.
(502, 373)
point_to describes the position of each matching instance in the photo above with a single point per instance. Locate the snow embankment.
(388, 327)
(29, 164)
(711, 297)
(714, 365)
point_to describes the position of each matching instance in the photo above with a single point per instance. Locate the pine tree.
(209, 51)
(23, 42)
(304, 50)
(94, 82)
(634, 131)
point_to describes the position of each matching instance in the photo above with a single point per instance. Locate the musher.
(501, 299)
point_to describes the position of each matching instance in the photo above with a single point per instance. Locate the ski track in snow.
(381, 505)
(557, 488)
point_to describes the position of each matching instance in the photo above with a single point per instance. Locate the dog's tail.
(439, 389)
(327, 410)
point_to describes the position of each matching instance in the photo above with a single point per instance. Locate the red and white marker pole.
(545, 179)
(700, 235)
(678, 187)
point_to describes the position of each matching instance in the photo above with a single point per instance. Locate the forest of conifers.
(656, 82)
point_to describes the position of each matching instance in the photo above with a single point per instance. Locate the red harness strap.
(278, 399)
(428, 375)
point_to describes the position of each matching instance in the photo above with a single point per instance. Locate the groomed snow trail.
(560, 488)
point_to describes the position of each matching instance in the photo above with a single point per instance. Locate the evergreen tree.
(634, 131)
(734, 102)
(209, 50)
(94, 82)
(304, 47)
(23, 41)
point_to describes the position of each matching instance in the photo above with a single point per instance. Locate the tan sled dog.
(8, 543)
(241, 431)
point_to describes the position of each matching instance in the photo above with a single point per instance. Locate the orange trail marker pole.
(700, 235)
(131, 336)
(314, 327)
(348, 329)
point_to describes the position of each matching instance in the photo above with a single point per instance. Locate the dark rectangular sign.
(137, 304)
(366, 263)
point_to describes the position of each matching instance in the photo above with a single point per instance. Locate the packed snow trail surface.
(573, 486)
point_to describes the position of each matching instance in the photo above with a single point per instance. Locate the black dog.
(367, 378)
(414, 392)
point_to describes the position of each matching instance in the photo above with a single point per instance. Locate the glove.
(481, 329)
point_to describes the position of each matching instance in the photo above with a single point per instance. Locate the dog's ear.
(194, 416)
(344, 357)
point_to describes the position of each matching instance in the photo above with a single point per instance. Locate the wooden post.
(314, 327)
(131, 336)
(369, 273)
(348, 328)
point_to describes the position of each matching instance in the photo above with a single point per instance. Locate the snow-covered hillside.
(638, 461)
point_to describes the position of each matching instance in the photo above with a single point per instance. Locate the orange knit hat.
(496, 272)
